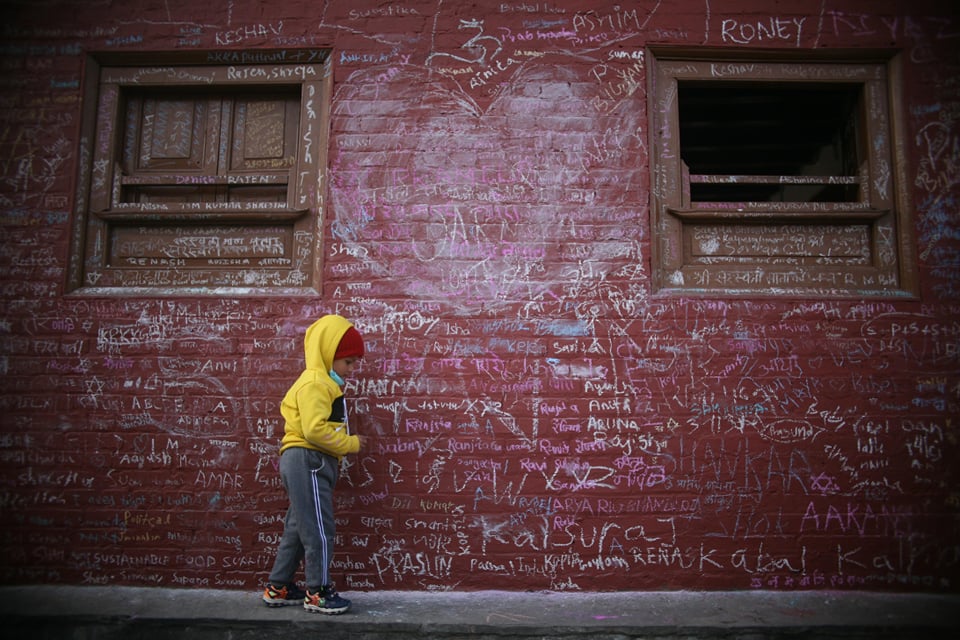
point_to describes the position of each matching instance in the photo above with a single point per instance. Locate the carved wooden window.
(202, 177)
(779, 175)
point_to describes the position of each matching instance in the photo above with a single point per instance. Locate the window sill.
(792, 214)
(200, 213)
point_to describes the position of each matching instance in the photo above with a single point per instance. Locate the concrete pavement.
(108, 613)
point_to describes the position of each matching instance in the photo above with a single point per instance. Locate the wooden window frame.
(101, 212)
(880, 218)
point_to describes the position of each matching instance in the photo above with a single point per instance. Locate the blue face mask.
(336, 378)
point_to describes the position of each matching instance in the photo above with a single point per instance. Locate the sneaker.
(325, 600)
(281, 596)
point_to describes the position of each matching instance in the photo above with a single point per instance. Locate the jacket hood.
(321, 341)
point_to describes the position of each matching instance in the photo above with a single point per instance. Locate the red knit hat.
(351, 345)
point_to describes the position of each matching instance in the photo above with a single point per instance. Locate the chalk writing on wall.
(538, 417)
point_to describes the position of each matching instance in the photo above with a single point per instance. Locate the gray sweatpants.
(308, 531)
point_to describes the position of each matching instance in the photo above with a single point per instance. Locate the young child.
(316, 437)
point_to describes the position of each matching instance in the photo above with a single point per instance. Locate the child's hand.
(363, 441)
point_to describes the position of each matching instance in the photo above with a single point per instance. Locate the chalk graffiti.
(537, 414)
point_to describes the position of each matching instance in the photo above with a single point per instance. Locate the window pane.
(164, 134)
(169, 143)
(264, 129)
(749, 129)
(264, 132)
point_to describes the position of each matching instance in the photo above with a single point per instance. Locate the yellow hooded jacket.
(313, 408)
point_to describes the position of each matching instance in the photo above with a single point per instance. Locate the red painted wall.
(539, 419)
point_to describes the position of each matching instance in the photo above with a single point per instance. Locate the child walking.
(316, 437)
